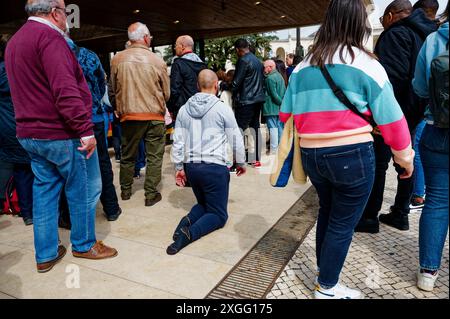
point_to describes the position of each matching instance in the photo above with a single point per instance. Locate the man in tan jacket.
(140, 85)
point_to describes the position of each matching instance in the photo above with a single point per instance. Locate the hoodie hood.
(419, 22)
(191, 57)
(192, 61)
(443, 31)
(200, 104)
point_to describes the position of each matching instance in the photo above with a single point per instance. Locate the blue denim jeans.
(419, 178)
(433, 225)
(276, 130)
(55, 164)
(343, 177)
(210, 184)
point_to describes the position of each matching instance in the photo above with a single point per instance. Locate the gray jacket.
(203, 128)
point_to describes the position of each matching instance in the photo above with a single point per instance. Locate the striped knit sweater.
(323, 121)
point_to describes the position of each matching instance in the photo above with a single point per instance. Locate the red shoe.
(256, 164)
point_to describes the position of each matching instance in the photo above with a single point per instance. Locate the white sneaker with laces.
(337, 292)
(426, 281)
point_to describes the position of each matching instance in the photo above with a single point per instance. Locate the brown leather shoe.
(47, 266)
(98, 251)
(125, 196)
(151, 202)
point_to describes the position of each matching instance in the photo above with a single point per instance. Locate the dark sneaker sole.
(402, 228)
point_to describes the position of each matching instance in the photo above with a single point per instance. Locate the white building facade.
(280, 48)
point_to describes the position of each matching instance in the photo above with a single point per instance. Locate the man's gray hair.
(139, 33)
(40, 7)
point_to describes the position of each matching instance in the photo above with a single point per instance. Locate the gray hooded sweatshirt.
(203, 128)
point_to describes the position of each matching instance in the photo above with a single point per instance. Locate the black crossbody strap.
(343, 98)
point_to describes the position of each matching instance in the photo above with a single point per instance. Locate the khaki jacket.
(140, 84)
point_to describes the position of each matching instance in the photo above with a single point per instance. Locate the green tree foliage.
(168, 55)
(218, 51)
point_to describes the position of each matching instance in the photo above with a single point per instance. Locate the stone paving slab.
(382, 266)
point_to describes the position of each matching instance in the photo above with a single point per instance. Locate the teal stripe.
(385, 108)
(308, 91)
(325, 101)
(348, 78)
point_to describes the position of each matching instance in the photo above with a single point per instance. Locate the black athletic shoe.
(370, 226)
(396, 220)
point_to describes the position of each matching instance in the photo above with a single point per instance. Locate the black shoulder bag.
(343, 98)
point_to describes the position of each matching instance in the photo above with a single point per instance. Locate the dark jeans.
(6, 171)
(24, 178)
(210, 184)
(140, 160)
(343, 177)
(248, 116)
(153, 132)
(116, 138)
(116, 141)
(383, 156)
(108, 197)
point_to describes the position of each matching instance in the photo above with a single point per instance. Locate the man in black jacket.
(248, 94)
(183, 74)
(397, 50)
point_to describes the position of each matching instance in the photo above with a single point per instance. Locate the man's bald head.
(184, 44)
(269, 66)
(208, 81)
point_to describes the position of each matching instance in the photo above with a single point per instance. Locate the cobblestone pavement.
(383, 265)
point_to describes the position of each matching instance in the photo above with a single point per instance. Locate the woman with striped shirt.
(336, 143)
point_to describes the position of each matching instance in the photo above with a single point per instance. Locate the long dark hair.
(281, 68)
(344, 27)
(444, 16)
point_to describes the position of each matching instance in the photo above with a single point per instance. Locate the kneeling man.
(203, 128)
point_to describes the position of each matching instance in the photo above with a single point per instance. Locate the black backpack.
(438, 87)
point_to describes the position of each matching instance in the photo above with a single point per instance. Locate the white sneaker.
(425, 281)
(337, 292)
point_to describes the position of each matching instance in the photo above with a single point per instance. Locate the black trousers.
(383, 156)
(23, 178)
(109, 196)
(249, 116)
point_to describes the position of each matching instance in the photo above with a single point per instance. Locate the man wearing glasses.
(140, 90)
(405, 30)
(53, 109)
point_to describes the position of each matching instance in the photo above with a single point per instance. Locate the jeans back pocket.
(347, 167)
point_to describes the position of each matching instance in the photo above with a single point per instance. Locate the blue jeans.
(140, 159)
(57, 164)
(210, 184)
(433, 225)
(276, 131)
(343, 177)
(419, 178)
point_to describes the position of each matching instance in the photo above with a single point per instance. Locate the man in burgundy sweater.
(53, 107)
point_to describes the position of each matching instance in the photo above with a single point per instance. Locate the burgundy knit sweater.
(49, 92)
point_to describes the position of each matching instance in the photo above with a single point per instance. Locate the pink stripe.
(284, 117)
(396, 134)
(328, 122)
